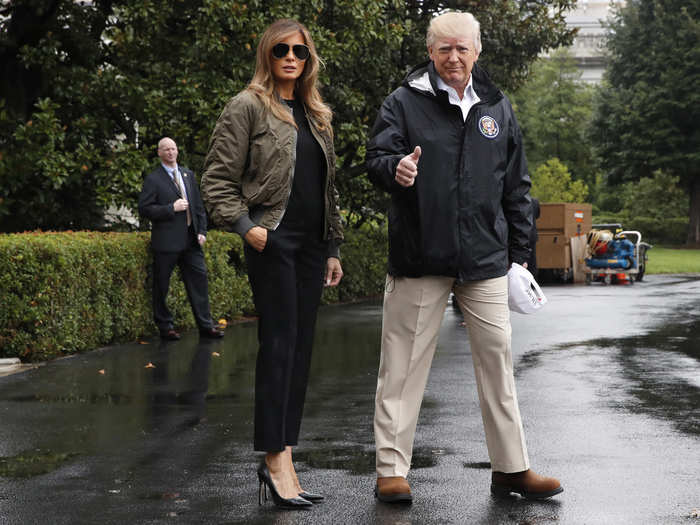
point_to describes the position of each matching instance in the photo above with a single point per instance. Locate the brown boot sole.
(404, 498)
(501, 491)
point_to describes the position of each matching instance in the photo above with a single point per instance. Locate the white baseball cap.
(524, 294)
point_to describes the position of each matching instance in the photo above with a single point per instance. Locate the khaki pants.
(413, 311)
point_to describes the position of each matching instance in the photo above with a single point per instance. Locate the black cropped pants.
(287, 281)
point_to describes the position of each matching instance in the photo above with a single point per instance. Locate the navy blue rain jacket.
(468, 213)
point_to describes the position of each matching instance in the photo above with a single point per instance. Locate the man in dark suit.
(170, 199)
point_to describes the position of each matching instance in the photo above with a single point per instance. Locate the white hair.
(454, 24)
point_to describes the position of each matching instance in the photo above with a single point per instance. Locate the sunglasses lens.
(301, 51)
(280, 50)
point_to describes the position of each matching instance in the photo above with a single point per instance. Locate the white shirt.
(177, 178)
(466, 102)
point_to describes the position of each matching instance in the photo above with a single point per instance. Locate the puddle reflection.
(180, 396)
(659, 370)
(32, 463)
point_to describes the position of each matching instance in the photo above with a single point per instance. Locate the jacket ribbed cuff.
(242, 225)
(333, 248)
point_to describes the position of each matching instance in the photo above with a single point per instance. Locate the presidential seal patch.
(488, 127)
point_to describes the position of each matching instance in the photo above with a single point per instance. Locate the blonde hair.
(263, 82)
(454, 24)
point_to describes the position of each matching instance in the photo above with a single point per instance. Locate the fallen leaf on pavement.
(215, 354)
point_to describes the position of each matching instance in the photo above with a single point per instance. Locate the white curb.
(10, 363)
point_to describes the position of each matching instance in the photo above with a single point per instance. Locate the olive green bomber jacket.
(249, 169)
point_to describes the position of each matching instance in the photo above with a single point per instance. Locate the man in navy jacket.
(447, 147)
(170, 199)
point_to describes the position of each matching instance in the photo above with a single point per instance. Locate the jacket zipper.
(291, 178)
(465, 127)
(459, 189)
(326, 197)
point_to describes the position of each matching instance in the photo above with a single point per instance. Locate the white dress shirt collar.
(171, 171)
(466, 102)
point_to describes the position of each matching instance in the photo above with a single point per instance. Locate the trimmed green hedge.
(673, 230)
(67, 292)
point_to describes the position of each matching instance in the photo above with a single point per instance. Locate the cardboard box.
(553, 251)
(564, 218)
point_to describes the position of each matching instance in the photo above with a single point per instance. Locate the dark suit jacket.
(168, 227)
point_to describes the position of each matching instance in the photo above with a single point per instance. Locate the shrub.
(68, 292)
(551, 182)
(364, 260)
(72, 291)
(668, 231)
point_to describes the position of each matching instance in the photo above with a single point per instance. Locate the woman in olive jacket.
(269, 176)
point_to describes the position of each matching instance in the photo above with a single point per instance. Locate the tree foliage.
(551, 182)
(554, 110)
(90, 87)
(647, 112)
(642, 197)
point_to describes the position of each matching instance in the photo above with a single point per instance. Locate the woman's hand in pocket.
(257, 238)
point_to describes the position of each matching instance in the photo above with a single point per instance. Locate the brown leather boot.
(527, 483)
(394, 489)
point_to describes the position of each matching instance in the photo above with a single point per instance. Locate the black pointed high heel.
(286, 503)
(312, 497)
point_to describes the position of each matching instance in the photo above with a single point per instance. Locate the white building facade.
(588, 46)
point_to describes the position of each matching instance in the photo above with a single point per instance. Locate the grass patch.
(673, 260)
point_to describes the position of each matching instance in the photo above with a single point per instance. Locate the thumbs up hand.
(407, 169)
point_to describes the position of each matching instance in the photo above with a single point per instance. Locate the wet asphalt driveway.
(608, 379)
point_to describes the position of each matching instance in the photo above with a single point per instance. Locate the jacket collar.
(166, 174)
(423, 78)
(169, 170)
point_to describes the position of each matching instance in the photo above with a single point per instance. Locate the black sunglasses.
(280, 51)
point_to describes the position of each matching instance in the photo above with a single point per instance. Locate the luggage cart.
(614, 258)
